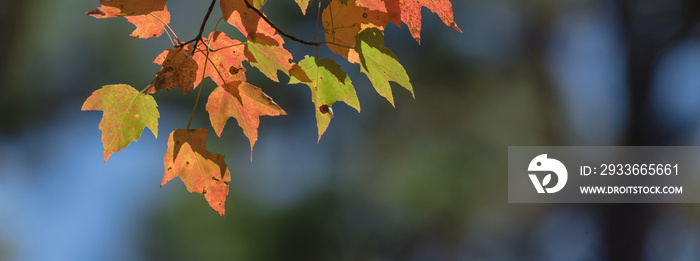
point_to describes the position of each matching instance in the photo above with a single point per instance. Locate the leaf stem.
(177, 39)
(201, 86)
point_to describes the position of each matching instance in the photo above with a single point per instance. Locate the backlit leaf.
(303, 4)
(328, 84)
(179, 70)
(246, 20)
(254, 103)
(380, 64)
(258, 3)
(225, 59)
(410, 14)
(391, 7)
(149, 16)
(200, 170)
(269, 56)
(126, 112)
(343, 21)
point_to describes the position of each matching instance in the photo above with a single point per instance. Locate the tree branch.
(294, 38)
(197, 39)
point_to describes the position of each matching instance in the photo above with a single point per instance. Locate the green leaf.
(258, 3)
(380, 64)
(126, 113)
(303, 4)
(328, 84)
(268, 56)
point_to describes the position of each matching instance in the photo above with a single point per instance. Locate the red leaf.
(179, 70)
(391, 7)
(224, 65)
(200, 170)
(141, 13)
(254, 103)
(410, 14)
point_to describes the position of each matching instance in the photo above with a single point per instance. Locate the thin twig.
(294, 38)
(201, 28)
(201, 86)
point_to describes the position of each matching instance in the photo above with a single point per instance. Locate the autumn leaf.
(328, 84)
(391, 7)
(179, 70)
(200, 170)
(246, 20)
(380, 64)
(126, 112)
(225, 59)
(222, 105)
(258, 3)
(410, 14)
(303, 4)
(343, 21)
(149, 17)
(268, 56)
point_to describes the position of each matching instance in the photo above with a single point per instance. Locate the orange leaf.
(247, 21)
(200, 170)
(342, 22)
(148, 25)
(391, 7)
(410, 14)
(254, 103)
(225, 59)
(138, 12)
(179, 70)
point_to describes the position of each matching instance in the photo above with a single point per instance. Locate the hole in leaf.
(233, 70)
(187, 162)
(325, 109)
(215, 179)
(204, 191)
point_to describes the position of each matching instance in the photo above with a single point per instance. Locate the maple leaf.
(200, 170)
(246, 20)
(268, 56)
(380, 64)
(149, 17)
(328, 84)
(342, 21)
(254, 103)
(303, 4)
(179, 70)
(410, 14)
(126, 112)
(391, 7)
(225, 59)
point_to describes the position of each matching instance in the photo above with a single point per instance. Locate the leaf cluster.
(351, 28)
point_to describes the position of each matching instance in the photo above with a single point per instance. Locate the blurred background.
(423, 181)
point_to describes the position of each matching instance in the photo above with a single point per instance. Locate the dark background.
(423, 181)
